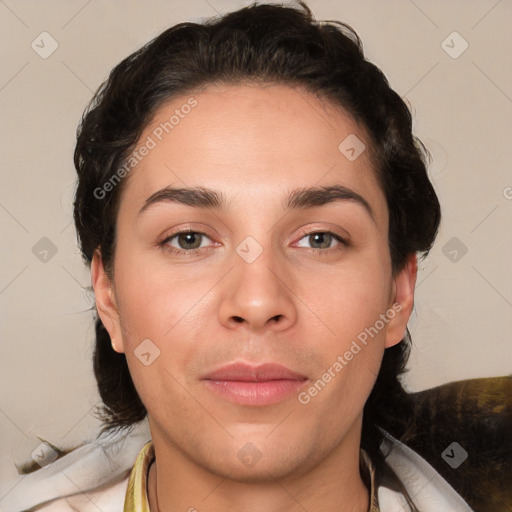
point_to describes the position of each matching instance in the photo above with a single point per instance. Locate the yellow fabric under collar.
(136, 499)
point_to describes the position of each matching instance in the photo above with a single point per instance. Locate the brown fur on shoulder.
(477, 415)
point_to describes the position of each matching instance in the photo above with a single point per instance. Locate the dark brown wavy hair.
(261, 43)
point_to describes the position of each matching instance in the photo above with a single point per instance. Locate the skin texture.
(254, 144)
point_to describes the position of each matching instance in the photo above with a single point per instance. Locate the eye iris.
(324, 237)
(186, 238)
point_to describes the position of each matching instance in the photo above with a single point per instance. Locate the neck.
(176, 482)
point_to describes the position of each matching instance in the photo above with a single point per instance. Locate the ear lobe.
(403, 301)
(105, 301)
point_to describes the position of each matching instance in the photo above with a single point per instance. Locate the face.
(253, 315)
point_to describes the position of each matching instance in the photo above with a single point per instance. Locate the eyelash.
(172, 250)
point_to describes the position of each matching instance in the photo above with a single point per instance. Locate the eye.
(188, 242)
(324, 240)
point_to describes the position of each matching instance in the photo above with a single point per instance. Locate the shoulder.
(463, 430)
(418, 480)
(109, 498)
(92, 477)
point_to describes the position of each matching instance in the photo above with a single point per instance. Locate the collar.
(136, 499)
(367, 470)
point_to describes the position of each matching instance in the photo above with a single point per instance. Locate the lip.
(247, 384)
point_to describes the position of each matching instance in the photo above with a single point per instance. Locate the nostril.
(238, 319)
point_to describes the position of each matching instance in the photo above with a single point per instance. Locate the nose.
(258, 296)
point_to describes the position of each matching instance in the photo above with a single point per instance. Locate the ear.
(403, 301)
(105, 301)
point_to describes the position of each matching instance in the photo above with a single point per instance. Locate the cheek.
(153, 298)
(167, 307)
(155, 310)
(349, 298)
(350, 362)
(351, 335)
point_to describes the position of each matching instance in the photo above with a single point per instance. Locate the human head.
(261, 44)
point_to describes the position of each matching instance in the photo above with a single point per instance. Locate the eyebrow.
(202, 197)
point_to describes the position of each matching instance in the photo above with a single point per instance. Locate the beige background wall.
(462, 108)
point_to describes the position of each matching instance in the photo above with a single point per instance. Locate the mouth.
(246, 384)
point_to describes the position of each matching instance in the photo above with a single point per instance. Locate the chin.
(251, 465)
(263, 472)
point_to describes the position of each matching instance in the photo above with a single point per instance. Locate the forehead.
(253, 142)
